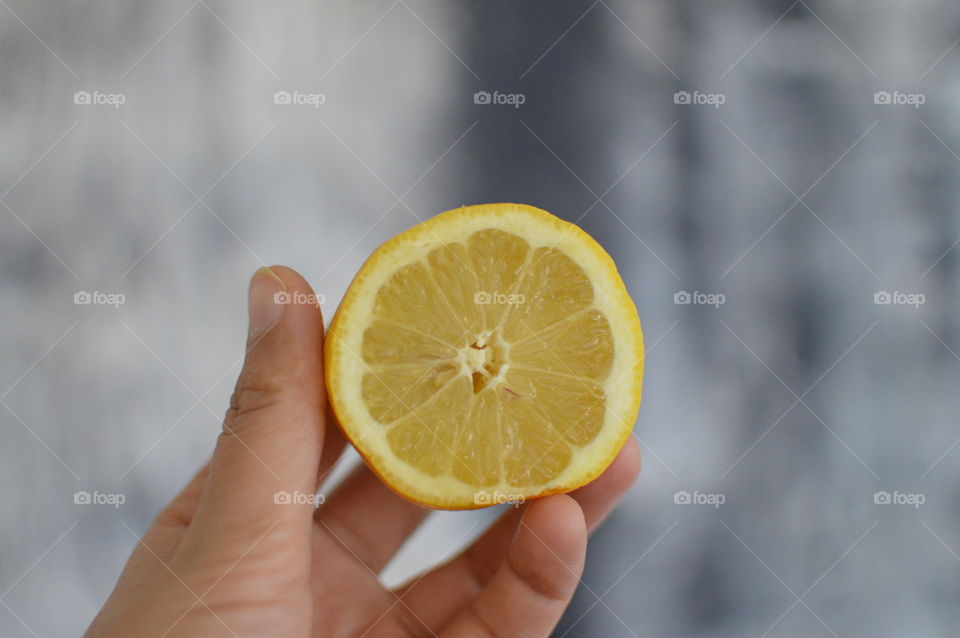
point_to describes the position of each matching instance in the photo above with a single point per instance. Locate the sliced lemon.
(490, 354)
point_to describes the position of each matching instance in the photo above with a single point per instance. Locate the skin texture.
(223, 559)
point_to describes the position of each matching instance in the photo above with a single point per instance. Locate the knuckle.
(482, 626)
(255, 393)
(550, 580)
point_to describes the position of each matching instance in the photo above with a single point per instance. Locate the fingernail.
(267, 299)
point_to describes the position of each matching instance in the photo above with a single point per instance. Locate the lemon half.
(490, 354)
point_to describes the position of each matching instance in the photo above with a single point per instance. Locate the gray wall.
(796, 400)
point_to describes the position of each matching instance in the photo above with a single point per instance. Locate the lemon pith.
(491, 353)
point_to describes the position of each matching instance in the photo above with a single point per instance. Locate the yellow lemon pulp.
(489, 354)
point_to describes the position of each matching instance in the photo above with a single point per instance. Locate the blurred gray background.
(798, 402)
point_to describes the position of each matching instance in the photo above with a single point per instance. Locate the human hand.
(224, 559)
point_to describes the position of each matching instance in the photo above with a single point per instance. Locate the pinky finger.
(532, 587)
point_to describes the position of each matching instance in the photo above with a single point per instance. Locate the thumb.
(273, 431)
